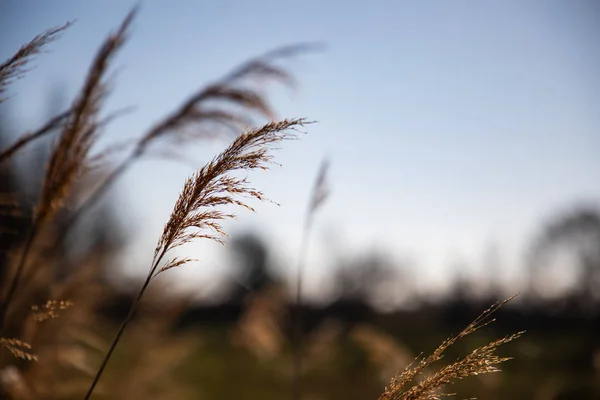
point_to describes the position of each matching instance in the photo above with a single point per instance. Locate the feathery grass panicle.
(69, 158)
(196, 213)
(18, 348)
(226, 103)
(50, 309)
(14, 68)
(176, 262)
(480, 361)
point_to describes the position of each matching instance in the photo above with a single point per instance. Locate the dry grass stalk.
(68, 160)
(480, 361)
(68, 347)
(25, 139)
(154, 352)
(225, 104)
(196, 215)
(14, 68)
(18, 348)
(318, 197)
(50, 309)
(201, 114)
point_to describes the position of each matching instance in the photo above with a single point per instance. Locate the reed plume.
(14, 68)
(196, 214)
(480, 361)
(50, 309)
(69, 158)
(223, 106)
(199, 115)
(18, 348)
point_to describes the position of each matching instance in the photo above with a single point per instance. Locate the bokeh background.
(463, 146)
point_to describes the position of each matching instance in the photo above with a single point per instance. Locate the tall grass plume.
(482, 360)
(196, 214)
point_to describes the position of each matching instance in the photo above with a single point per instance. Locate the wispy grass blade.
(15, 67)
(480, 361)
(197, 214)
(225, 105)
(27, 138)
(69, 158)
(70, 154)
(230, 101)
(319, 195)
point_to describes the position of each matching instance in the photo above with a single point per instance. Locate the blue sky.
(451, 126)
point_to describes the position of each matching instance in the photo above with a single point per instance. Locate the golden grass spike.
(14, 68)
(176, 262)
(50, 309)
(18, 348)
(227, 104)
(70, 154)
(195, 214)
(480, 361)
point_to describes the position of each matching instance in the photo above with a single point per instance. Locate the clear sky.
(451, 126)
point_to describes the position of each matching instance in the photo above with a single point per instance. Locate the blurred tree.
(252, 262)
(578, 233)
(463, 285)
(361, 279)
(494, 269)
